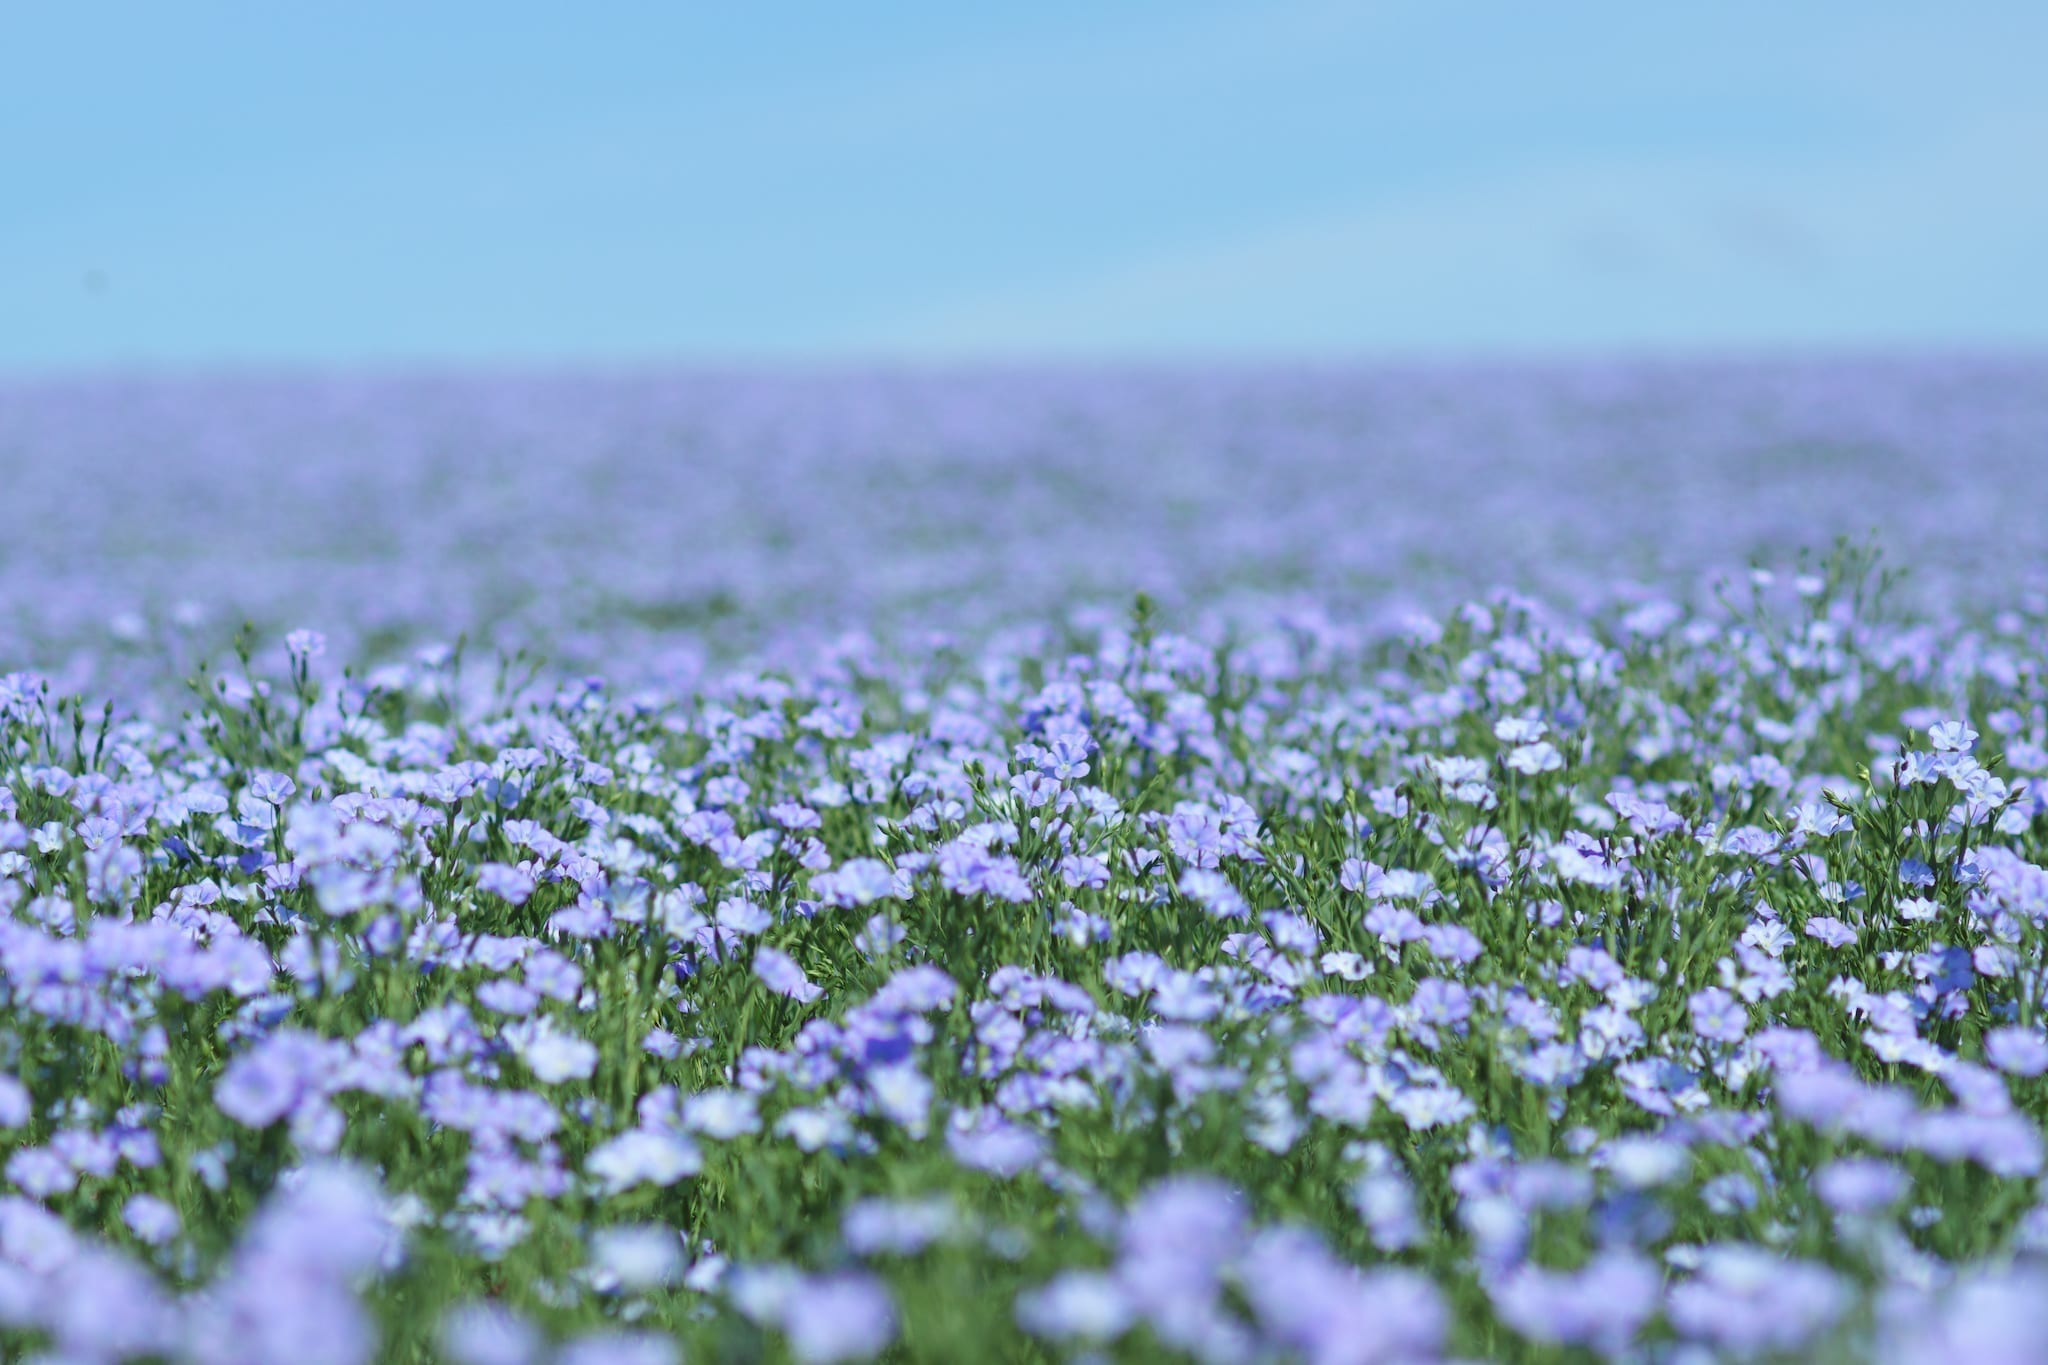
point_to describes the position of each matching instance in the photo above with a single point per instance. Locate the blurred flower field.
(1307, 866)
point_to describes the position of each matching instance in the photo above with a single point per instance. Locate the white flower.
(550, 1054)
(721, 1114)
(641, 1157)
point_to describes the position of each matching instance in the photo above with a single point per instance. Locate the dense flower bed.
(1661, 977)
(693, 870)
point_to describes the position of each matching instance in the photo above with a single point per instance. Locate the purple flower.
(619, 1348)
(721, 1114)
(1190, 1222)
(879, 936)
(902, 1095)
(2005, 1144)
(901, 1227)
(154, 1221)
(988, 1142)
(1356, 874)
(512, 998)
(1831, 931)
(1345, 966)
(552, 1055)
(794, 815)
(2017, 1051)
(1386, 1202)
(1859, 1185)
(638, 1157)
(489, 1334)
(271, 787)
(1601, 1306)
(1393, 924)
(839, 1317)
(16, 1107)
(1640, 1162)
(1084, 869)
(269, 1081)
(1592, 966)
(780, 973)
(1441, 1003)
(1988, 1315)
(858, 881)
(1084, 1305)
(1453, 943)
(1405, 884)
(1718, 1016)
(1540, 757)
(1790, 1050)
(73, 1305)
(40, 1172)
(554, 976)
(506, 882)
(1185, 996)
(1749, 1301)
(1307, 1299)
(287, 1293)
(1213, 892)
(743, 916)
(918, 990)
(636, 1257)
(1951, 737)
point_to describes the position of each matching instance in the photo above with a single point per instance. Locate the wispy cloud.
(1935, 239)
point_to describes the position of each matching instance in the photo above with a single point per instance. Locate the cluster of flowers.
(1662, 980)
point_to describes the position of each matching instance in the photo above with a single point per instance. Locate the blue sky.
(201, 183)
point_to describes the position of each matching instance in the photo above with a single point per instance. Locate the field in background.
(609, 518)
